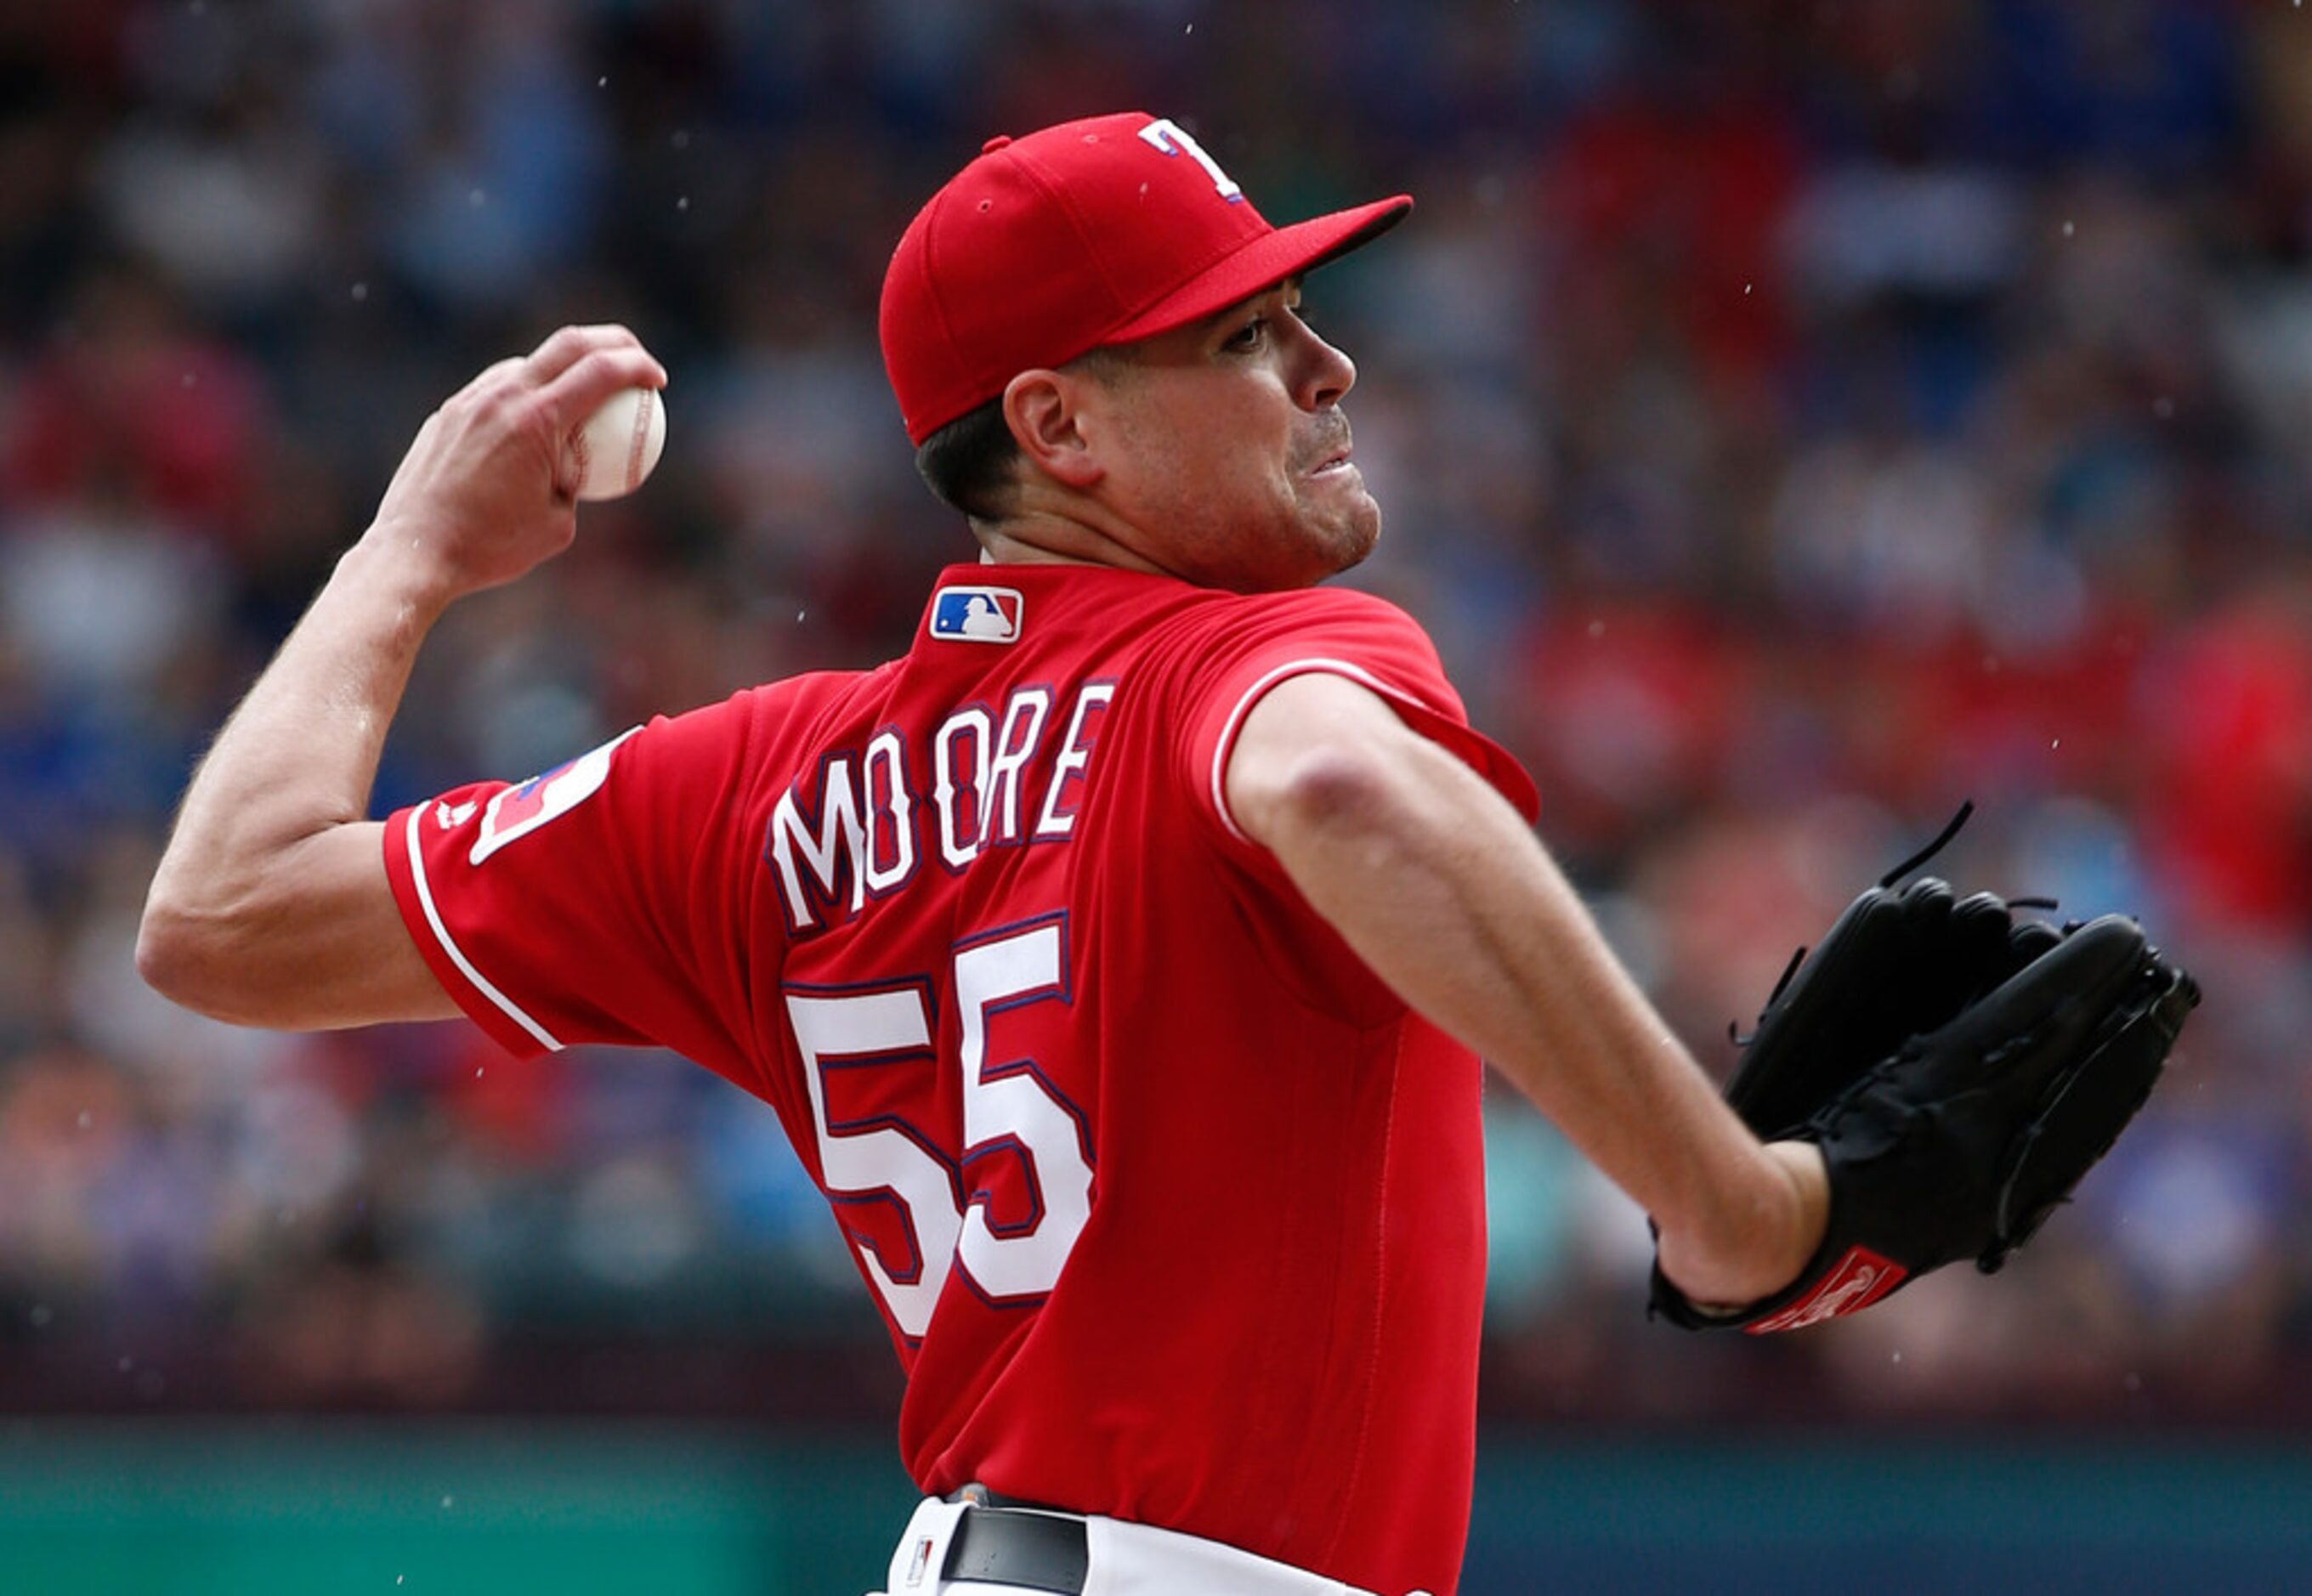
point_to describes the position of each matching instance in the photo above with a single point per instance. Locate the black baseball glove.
(1960, 1068)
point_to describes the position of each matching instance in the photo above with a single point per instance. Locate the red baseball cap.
(1092, 232)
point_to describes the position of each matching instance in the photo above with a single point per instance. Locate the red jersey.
(1173, 1210)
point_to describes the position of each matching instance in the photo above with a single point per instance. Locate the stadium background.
(1791, 419)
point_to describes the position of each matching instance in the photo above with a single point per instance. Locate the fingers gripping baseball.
(481, 498)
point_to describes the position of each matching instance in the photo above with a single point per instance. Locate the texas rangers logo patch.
(517, 811)
(977, 614)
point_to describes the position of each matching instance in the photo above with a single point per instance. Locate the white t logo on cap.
(1171, 137)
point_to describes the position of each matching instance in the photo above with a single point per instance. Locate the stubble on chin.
(1350, 538)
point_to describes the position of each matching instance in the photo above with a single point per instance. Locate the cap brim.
(1264, 262)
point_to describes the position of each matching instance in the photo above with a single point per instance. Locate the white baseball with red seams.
(617, 447)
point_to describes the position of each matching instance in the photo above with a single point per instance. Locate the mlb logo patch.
(977, 615)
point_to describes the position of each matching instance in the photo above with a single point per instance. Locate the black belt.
(1007, 1545)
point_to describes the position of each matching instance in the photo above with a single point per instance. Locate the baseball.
(619, 446)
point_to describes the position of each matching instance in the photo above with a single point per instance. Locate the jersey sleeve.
(594, 903)
(1339, 633)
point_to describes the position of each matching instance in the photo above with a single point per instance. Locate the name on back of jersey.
(858, 827)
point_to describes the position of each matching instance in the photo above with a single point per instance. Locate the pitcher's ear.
(1045, 411)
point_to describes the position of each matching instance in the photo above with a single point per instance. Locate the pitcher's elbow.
(161, 955)
(176, 956)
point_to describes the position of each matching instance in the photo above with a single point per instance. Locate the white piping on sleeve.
(456, 956)
(1252, 694)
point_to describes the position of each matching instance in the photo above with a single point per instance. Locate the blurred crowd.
(1791, 419)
